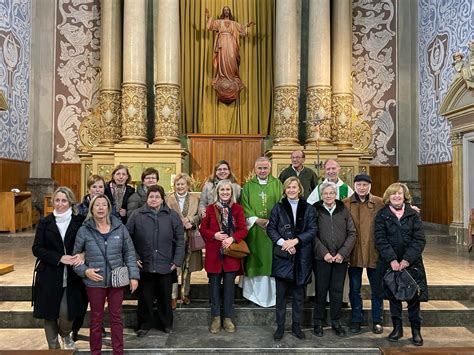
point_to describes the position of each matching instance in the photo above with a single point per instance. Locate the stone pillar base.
(459, 231)
(39, 188)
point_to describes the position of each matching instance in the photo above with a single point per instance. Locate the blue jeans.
(228, 279)
(355, 283)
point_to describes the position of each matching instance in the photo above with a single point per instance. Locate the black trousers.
(228, 286)
(297, 294)
(414, 311)
(329, 277)
(155, 286)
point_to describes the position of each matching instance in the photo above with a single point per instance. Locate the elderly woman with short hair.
(333, 245)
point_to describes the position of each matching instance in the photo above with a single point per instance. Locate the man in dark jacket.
(158, 235)
(307, 176)
(363, 207)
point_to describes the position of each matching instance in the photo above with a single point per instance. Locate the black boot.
(416, 334)
(397, 331)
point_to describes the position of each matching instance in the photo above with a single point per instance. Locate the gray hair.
(263, 158)
(219, 185)
(327, 184)
(71, 198)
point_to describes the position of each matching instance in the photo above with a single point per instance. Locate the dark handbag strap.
(103, 254)
(33, 283)
(287, 222)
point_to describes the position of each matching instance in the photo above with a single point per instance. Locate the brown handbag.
(196, 241)
(236, 250)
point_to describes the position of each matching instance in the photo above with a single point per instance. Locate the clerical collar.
(262, 182)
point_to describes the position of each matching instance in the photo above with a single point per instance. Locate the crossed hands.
(224, 238)
(289, 245)
(399, 266)
(73, 260)
(338, 258)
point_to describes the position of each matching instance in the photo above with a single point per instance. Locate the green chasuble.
(258, 201)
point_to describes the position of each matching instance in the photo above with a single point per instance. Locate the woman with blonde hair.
(400, 241)
(187, 207)
(58, 293)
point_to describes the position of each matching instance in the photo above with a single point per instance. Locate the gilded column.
(285, 100)
(458, 193)
(167, 72)
(319, 73)
(134, 104)
(341, 67)
(111, 71)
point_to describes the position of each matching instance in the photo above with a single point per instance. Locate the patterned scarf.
(227, 221)
(118, 192)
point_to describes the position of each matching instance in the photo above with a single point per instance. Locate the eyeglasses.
(329, 193)
(222, 169)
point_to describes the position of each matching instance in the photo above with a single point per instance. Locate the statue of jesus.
(226, 58)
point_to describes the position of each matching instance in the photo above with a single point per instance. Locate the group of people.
(294, 228)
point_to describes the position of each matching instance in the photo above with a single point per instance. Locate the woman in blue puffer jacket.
(107, 245)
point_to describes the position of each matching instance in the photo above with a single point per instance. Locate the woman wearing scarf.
(118, 191)
(222, 171)
(223, 224)
(59, 294)
(186, 205)
(400, 241)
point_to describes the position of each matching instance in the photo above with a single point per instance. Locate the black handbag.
(400, 285)
(287, 233)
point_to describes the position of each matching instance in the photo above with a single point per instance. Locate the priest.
(258, 197)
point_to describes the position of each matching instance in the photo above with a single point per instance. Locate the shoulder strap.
(286, 220)
(103, 254)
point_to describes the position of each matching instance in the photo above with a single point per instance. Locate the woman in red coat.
(223, 225)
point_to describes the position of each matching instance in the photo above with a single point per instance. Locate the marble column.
(111, 66)
(167, 72)
(285, 92)
(319, 73)
(341, 67)
(458, 193)
(134, 103)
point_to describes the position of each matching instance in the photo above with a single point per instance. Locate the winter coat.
(158, 237)
(213, 262)
(118, 251)
(336, 233)
(195, 257)
(208, 191)
(48, 247)
(363, 214)
(299, 267)
(399, 240)
(129, 191)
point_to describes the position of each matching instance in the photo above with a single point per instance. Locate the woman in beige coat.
(187, 206)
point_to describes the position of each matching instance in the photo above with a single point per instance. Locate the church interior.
(384, 87)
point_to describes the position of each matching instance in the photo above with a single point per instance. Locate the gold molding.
(90, 130)
(342, 119)
(134, 120)
(285, 115)
(110, 116)
(3, 101)
(167, 113)
(318, 106)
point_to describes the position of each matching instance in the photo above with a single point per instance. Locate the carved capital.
(285, 114)
(134, 121)
(167, 113)
(456, 138)
(319, 108)
(342, 119)
(110, 119)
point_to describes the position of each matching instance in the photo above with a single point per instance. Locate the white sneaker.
(68, 343)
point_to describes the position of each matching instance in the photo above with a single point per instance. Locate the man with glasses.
(307, 176)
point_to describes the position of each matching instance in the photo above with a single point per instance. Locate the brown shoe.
(215, 325)
(229, 327)
(174, 303)
(186, 300)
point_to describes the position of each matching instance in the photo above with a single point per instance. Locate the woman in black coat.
(400, 241)
(58, 293)
(292, 228)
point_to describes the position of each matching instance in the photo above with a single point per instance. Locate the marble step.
(247, 339)
(435, 313)
(201, 292)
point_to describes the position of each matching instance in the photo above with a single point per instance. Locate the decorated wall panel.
(374, 63)
(445, 27)
(15, 38)
(77, 62)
